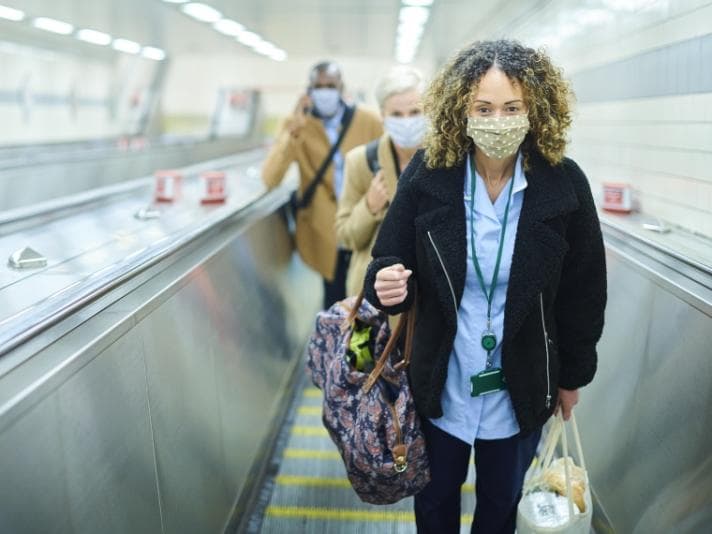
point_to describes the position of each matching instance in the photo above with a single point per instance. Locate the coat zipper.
(447, 277)
(546, 346)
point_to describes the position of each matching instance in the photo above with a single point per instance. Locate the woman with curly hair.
(499, 232)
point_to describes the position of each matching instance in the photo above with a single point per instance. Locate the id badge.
(488, 381)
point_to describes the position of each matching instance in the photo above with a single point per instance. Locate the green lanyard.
(489, 339)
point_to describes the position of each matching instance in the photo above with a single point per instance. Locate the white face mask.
(406, 132)
(498, 137)
(326, 101)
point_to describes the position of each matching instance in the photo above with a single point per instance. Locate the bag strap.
(577, 440)
(552, 439)
(567, 469)
(372, 156)
(407, 322)
(319, 176)
(557, 433)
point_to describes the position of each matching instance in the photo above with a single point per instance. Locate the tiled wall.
(642, 71)
(48, 96)
(280, 84)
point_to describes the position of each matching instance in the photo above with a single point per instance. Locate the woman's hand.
(567, 400)
(392, 284)
(377, 196)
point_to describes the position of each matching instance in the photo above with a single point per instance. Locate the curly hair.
(547, 95)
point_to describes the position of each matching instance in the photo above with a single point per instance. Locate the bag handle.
(567, 468)
(406, 321)
(558, 433)
(553, 437)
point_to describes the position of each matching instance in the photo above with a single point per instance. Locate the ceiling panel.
(308, 28)
(301, 27)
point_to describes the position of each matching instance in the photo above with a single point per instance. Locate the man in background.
(322, 128)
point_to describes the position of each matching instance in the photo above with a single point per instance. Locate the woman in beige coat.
(366, 196)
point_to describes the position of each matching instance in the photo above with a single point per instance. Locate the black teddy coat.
(557, 280)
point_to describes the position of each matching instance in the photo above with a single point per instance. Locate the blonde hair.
(547, 95)
(398, 80)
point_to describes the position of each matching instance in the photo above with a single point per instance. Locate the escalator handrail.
(62, 204)
(20, 328)
(690, 262)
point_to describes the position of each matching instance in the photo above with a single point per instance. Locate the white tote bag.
(543, 509)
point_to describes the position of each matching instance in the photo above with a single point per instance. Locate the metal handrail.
(655, 245)
(18, 157)
(29, 322)
(102, 193)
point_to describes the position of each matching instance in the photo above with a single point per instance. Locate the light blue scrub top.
(488, 416)
(332, 127)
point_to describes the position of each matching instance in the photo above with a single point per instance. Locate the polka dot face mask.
(498, 137)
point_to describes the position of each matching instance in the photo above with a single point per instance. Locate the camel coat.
(315, 235)
(356, 226)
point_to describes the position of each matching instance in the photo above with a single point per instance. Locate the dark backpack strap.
(372, 156)
(319, 176)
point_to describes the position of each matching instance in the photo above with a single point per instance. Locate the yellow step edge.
(311, 454)
(347, 514)
(320, 482)
(312, 392)
(307, 430)
(340, 514)
(331, 482)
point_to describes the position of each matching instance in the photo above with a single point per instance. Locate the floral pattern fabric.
(367, 426)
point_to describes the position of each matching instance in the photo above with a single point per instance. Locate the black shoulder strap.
(319, 176)
(372, 156)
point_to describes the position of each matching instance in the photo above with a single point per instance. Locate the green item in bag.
(359, 352)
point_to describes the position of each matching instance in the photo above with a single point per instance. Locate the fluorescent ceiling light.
(409, 32)
(414, 15)
(94, 37)
(10, 13)
(175, 1)
(249, 38)
(424, 3)
(229, 27)
(201, 12)
(406, 47)
(151, 52)
(124, 45)
(279, 55)
(408, 38)
(265, 48)
(53, 25)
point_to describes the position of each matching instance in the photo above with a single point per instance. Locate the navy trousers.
(500, 465)
(335, 290)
